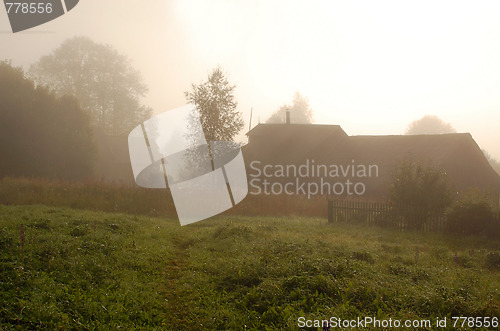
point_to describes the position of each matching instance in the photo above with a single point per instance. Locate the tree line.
(49, 115)
(41, 134)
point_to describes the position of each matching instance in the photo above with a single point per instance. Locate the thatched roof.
(457, 154)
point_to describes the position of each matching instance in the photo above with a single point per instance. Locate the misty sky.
(370, 66)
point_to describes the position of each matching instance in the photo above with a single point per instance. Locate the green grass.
(93, 270)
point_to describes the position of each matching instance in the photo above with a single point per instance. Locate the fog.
(370, 67)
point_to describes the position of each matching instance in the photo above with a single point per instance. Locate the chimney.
(287, 117)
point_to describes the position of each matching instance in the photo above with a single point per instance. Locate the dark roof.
(282, 138)
(283, 129)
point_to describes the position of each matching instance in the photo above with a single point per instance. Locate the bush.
(419, 192)
(473, 218)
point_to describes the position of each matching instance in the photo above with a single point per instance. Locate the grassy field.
(62, 268)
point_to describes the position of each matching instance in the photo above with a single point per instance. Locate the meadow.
(65, 268)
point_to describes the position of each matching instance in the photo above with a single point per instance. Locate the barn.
(325, 153)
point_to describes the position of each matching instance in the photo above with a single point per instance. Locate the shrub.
(419, 192)
(470, 217)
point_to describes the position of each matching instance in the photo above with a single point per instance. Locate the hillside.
(66, 268)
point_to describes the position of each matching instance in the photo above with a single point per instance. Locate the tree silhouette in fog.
(429, 124)
(216, 104)
(300, 111)
(41, 134)
(103, 80)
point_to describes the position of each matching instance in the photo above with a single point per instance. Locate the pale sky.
(370, 66)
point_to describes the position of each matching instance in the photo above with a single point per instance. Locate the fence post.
(330, 211)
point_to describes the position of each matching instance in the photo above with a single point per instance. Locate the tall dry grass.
(113, 197)
(91, 195)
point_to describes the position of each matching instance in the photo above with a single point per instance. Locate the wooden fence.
(384, 214)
